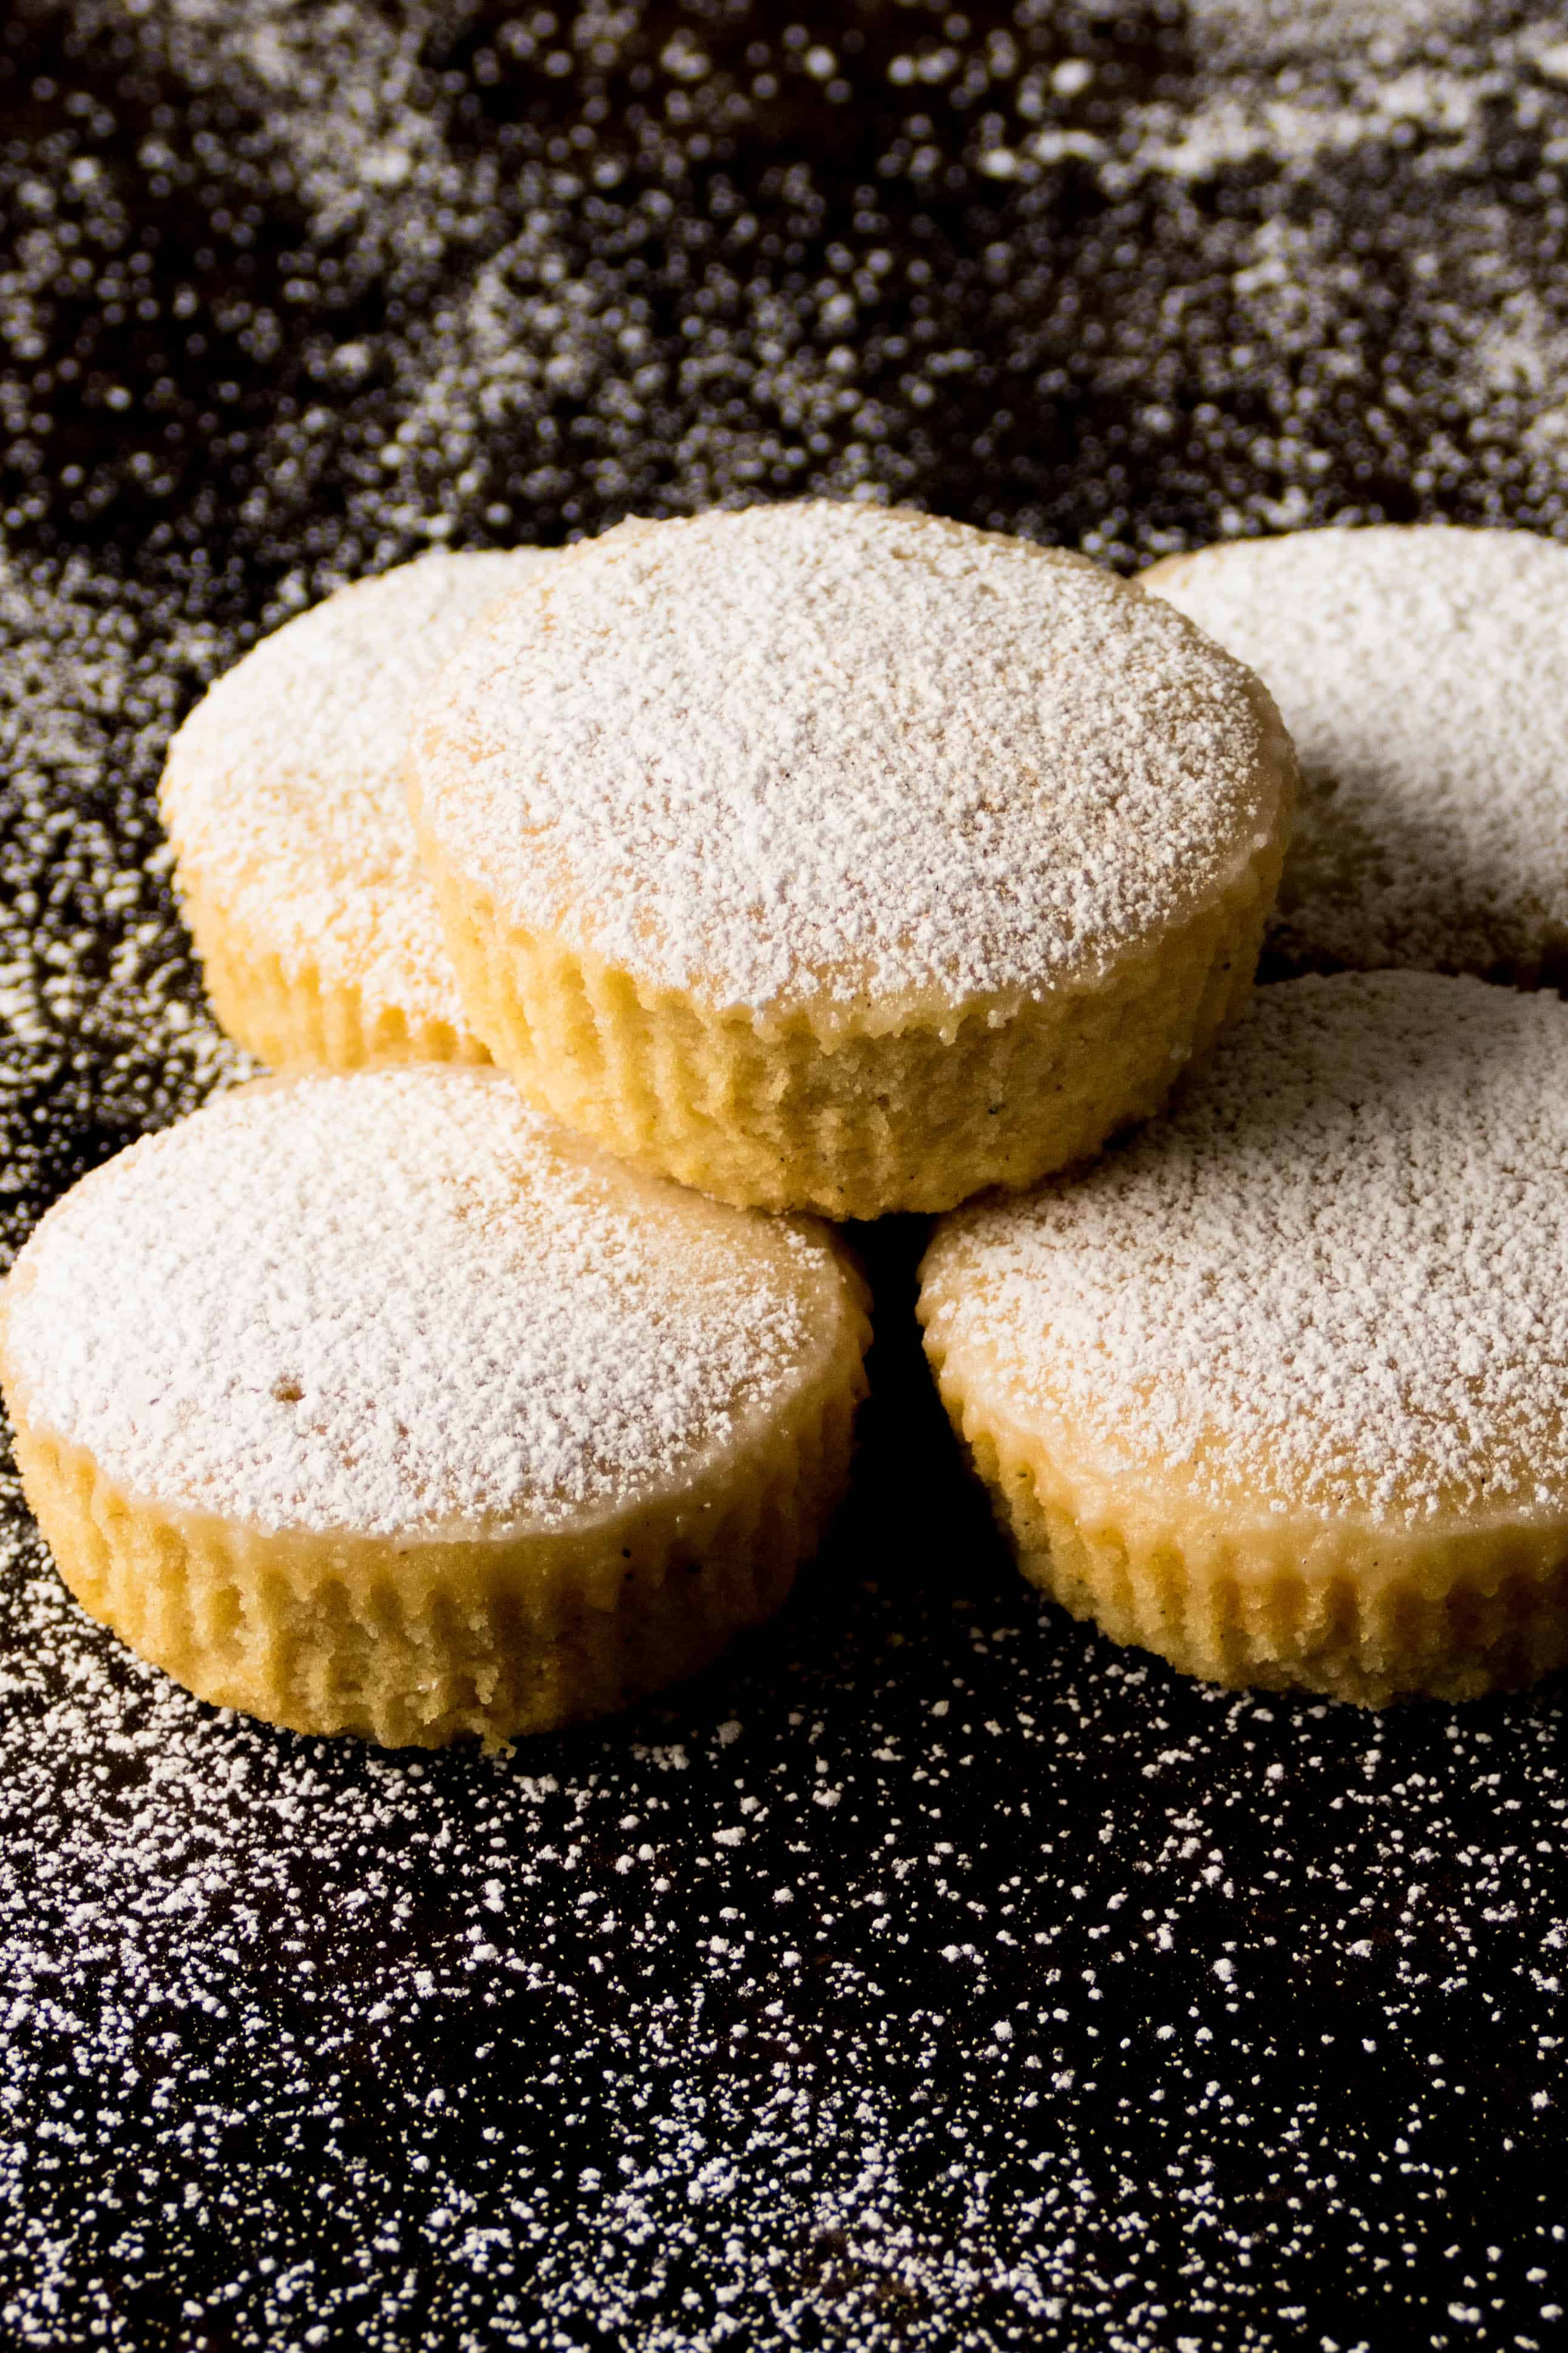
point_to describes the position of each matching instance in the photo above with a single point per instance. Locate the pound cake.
(828, 856)
(1422, 672)
(380, 1403)
(295, 862)
(1277, 1391)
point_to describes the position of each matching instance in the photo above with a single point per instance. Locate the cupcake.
(1276, 1390)
(294, 856)
(380, 1403)
(1422, 672)
(824, 857)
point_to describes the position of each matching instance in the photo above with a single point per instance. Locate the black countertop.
(931, 1973)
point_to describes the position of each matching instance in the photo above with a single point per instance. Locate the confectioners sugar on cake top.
(1332, 1278)
(828, 753)
(1422, 672)
(403, 1303)
(284, 790)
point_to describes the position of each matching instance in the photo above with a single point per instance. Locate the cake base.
(867, 1121)
(296, 1019)
(1356, 1612)
(419, 1644)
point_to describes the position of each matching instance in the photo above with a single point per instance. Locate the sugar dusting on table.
(350, 2051)
(302, 2042)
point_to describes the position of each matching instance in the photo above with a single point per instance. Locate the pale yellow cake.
(382, 1404)
(1423, 673)
(1277, 1389)
(828, 856)
(295, 861)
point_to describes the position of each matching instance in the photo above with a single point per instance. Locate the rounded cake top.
(1332, 1280)
(284, 796)
(402, 1304)
(845, 761)
(1422, 672)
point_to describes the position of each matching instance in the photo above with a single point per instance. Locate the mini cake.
(1424, 675)
(827, 857)
(295, 861)
(380, 1403)
(1277, 1390)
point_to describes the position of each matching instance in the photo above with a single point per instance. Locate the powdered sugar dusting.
(1424, 675)
(400, 1303)
(303, 2039)
(1334, 1278)
(284, 789)
(821, 754)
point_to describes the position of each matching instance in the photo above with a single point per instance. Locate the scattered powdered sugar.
(284, 791)
(1424, 675)
(815, 755)
(929, 1975)
(102, 1028)
(402, 1304)
(1334, 1278)
(1250, 34)
(932, 1973)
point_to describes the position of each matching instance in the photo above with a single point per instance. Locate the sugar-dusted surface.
(822, 754)
(1424, 676)
(404, 1304)
(1332, 1278)
(284, 792)
(929, 1976)
(366, 278)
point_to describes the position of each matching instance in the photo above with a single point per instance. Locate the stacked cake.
(613, 918)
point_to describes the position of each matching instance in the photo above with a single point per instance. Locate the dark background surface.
(931, 1974)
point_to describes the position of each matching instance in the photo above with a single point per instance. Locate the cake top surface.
(402, 1304)
(284, 793)
(1422, 672)
(819, 756)
(1332, 1279)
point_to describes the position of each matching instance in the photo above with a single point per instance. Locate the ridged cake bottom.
(416, 1646)
(1361, 1614)
(909, 1118)
(297, 1019)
